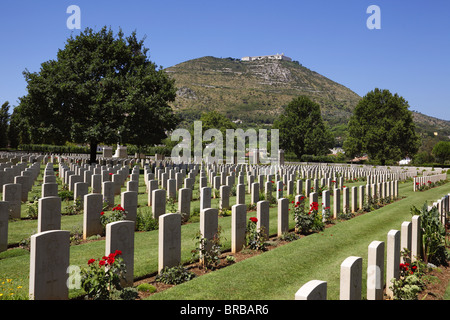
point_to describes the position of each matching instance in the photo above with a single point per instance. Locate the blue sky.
(409, 55)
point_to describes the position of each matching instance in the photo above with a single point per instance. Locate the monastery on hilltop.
(271, 57)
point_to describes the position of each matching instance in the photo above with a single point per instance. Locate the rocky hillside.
(256, 91)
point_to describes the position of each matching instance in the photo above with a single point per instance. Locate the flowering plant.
(326, 214)
(103, 276)
(411, 278)
(255, 238)
(208, 251)
(118, 213)
(409, 283)
(306, 222)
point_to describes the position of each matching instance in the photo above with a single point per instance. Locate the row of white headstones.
(49, 251)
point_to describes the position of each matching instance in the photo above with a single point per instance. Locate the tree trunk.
(93, 156)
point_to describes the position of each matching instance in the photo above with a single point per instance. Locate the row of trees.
(381, 127)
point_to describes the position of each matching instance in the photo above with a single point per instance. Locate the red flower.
(102, 213)
(404, 266)
(118, 207)
(118, 252)
(253, 219)
(91, 261)
(102, 263)
(314, 206)
(110, 174)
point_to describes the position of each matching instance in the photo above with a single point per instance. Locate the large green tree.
(382, 127)
(302, 130)
(101, 88)
(442, 151)
(212, 120)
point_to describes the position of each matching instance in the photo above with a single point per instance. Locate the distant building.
(335, 151)
(270, 57)
(404, 161)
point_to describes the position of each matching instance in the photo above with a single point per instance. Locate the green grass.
(276, 274)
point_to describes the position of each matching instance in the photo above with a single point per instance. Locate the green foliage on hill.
(256, 92)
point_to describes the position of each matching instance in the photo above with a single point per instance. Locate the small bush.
(207, 251)
(433, 235)
(255, 238)
(145, 221)
(174, 275)
(289, 236)
(146, 287)
(31, 210)
(102, 277)
(65, 195)
(118, 213)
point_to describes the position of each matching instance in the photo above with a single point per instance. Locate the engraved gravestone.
(49, 213)
(169, 241)
(49, 261)
(12, 192)
(93, 205)
(120, 236)
(4, 216)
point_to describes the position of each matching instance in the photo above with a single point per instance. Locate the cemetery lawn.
(273, 275)
(279, 273)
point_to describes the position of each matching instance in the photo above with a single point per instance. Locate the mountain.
(256, 91)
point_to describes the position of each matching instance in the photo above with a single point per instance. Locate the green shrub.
(174, 275)
(127, 293)
(433, 235)
(207, 251)
(145, 220)
(411, 279)
(103, 277)
(146, 287)
(255, 238)
(118, 213)
(65, 195)
(31, 210)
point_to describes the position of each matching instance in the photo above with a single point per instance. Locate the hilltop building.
(270, 57)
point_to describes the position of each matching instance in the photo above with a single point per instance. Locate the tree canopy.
(101, 88)
(441, 151)
(4, 124)
(382, 127)
(302, 130)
